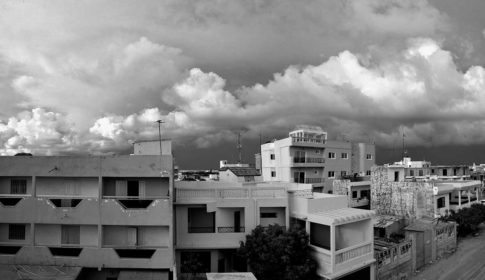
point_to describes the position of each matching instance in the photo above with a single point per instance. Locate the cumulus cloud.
(37, 131)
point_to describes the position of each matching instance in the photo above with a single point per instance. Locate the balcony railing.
(350, 253)
(358, 202)
(314, 180)
(230, 229)
(201, 229)
(227, 193)
(308, 160)
(307, 140)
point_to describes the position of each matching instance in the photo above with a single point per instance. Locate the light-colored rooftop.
(340, 216)
(231, 276)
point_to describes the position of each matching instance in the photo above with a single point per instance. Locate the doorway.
(133, 188)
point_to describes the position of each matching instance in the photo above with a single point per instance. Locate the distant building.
(308, 157)
(392, 193)
(108, 214)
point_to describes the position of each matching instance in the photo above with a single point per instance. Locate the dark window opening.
(396, 176)
(272, 157)
(421, 173)
(65, 252)
(16, 232)
(354, 194)
(441, 202)
(135, 204)
(320, 235)
(200, 221)
(411, 172)
(9, 250)
(445, 172)
(133, 188)
(10, 201)
(195, 262)
(135, 253)
(273, 173)
(65, 202)
(268, 215)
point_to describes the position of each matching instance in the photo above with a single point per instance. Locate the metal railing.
(307, 140)
(230, 229)
(308, 160)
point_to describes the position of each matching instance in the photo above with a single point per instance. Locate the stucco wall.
(5, 184)
(406, 199)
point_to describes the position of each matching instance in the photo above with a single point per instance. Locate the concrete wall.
(351, 234)
(147, 236)
(50, 235)
(337, 164)
(280, 216)
(406, 199)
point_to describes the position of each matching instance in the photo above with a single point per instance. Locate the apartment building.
(213, 217)
(307, 156)
(111, 215)
(341, 237)
(356, 189)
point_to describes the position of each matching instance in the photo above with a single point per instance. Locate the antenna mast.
(239, 147)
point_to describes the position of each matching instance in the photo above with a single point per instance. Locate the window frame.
(15, 232)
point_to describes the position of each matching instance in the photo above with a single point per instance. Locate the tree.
(467, 219)
(275, 253)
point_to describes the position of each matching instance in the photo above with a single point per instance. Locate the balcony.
(52, 209)
(308, 142)
(17, 208)
(314, 180)
(307, 162)
(125, 210)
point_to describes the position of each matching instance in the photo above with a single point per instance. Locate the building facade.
(99, 212)
(307, 156)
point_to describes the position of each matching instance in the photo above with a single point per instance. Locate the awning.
(44, 272)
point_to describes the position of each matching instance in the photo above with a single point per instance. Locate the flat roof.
(341, 216)
(231, 276)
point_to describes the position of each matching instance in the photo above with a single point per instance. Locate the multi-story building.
(306, 156)
(112, 214)
(213, 217)
(341, 237)
(394, 192)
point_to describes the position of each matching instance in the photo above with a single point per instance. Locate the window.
(18, 186)
(421, 173)
(320, 235)
(331, 174)
(331, 155)
(317, 151)
(343, 173)
(268, 215)
(445, 172)
(273, 173)
(70, 234)
(367, 173)
(411, 172)
(364, 194)
(200, 221)
(271, 156)
(368, 156)
(432, 171)
(354, 194)
(396, 176)
(344, 155)
(16, 232)
(441, 202)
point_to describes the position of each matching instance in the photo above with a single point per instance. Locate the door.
(133, 189)
(301, 178)
(132, 236)
(419, 249)
(237, 221)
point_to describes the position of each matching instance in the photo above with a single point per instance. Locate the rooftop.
(242, 171)
(341, 216)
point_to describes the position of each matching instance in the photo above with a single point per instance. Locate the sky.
(91, 77)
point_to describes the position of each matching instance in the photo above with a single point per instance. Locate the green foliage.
(274, 253)
(467, 219)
